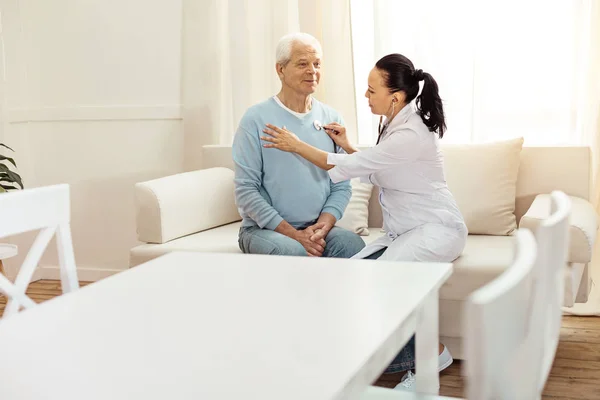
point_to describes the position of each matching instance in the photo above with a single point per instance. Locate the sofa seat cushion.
(484, 257)
(222, 239)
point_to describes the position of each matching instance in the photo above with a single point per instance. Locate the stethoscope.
(381, 129)
(318, 126)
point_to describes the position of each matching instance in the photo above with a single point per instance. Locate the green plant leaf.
(4, 168)
(13, 176)
(2, 190)
(3, 145)
(12, 161)
(16, 178)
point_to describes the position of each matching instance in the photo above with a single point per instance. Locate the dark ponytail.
(430, 106)
(400, 75)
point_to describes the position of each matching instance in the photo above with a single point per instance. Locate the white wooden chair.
(545, 313)
(498, 321)
(533, 324)
(503, 340)
(553, 238)
(46, 209)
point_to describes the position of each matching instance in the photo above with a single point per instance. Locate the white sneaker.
(408, 381)
(444, 360)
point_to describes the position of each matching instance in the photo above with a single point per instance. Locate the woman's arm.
(285, 140)
(313, 155)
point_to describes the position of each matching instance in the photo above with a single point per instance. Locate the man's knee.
(289, 248)
(268, 242)
(342, 243)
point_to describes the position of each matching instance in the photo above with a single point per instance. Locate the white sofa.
(498, 187)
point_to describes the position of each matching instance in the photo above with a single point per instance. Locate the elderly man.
(289, 206)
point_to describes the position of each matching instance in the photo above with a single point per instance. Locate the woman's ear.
(399, 97)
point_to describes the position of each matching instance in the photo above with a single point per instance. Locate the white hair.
(283, 53)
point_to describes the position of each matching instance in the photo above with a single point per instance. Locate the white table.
(213, 326)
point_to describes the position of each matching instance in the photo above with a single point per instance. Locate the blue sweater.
(272, 185)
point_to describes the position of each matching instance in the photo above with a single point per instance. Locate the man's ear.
(279, 69)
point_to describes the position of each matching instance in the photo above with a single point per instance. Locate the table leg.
(427, 340)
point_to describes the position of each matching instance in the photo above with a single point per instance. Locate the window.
(505, 68)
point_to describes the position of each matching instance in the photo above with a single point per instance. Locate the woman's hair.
(283, 52)
(400, 75)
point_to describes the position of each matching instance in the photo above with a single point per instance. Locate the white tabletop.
(213, 326)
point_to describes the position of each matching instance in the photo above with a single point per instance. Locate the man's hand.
(313, 248)
(321, 229)
(313, 237)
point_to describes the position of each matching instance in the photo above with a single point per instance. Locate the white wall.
(93, 93)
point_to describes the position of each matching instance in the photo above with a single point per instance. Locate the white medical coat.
(420, 216)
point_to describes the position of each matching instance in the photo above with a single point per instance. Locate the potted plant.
(9, 180)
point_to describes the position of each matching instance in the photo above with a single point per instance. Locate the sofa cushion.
(222, 239)
(356, 215)
(483, 179)
(583, 221)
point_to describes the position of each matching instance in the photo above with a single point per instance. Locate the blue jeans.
(405, 359)
(341, 243)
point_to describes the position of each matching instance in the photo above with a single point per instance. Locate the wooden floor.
(575, 374)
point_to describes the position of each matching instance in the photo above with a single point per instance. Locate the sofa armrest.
(583, 221)
(182, 204)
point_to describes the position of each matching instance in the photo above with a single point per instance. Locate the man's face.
(303, 72)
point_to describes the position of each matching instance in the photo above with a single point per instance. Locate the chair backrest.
(503, 358)
(553, 238)
(46, 209)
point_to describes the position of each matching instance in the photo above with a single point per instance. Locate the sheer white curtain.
(505, 68)
(589, 125)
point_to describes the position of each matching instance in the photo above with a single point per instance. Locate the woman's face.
(380, 98)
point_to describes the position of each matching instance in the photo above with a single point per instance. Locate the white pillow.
(356, 216)
(483, 179)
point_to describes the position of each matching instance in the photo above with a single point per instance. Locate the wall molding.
(94, 113)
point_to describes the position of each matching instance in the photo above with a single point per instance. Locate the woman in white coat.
(421, 218)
